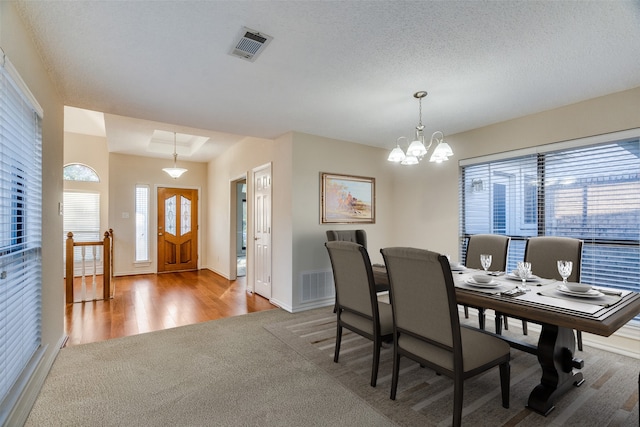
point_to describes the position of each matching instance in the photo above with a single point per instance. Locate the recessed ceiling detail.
(250, 44)
(186, 145)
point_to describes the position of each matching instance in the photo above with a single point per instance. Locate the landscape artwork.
(346, 199)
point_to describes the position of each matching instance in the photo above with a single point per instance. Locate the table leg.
(555, 355)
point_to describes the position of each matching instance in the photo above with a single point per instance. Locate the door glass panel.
(185, 223)
(170, 215)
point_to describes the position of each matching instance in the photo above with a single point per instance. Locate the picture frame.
(347, 199)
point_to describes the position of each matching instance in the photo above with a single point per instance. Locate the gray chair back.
(423, 296)
(353, 278)
(544, 253)
(493, 244)
(355, 236)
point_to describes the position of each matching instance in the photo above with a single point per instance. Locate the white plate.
(591, 293)
(516, 277)
(491, 284)
(457, 267)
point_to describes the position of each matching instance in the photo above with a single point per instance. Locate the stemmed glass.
(485, 260)
(524, 271)
(564, 268)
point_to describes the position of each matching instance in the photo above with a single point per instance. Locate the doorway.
(241, 228)
(177, 229)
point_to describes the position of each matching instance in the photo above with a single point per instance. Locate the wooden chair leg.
(481, 317)
(338, 340)
(498, 322)
(506, 323)
(505, 378)
(579, 339)
(396, 372)
(377, 343)
(458, 392)
(524, 328)
(466, 312)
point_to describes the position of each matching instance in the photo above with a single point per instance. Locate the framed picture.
(346, 199)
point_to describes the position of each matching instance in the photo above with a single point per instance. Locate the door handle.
(159, 234)
(256, 238)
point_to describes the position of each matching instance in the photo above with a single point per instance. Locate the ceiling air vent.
(250, 44)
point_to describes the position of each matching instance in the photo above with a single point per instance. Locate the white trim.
(4, 62)
(554, 146)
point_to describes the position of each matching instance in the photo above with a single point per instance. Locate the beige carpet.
(228, 372)
(609, 396)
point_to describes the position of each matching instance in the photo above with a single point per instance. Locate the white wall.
(125, 172)
(17, 45)
(91, 151)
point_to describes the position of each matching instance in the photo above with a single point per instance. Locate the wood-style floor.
(153, 302)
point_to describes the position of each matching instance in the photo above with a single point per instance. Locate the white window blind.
(20, 235)
(142, 223)
(589, 192)
(82, 218)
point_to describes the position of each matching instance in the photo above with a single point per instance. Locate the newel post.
(106, 276)
(69, 268)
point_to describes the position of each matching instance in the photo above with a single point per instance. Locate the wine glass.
(485, 260)
(564, 268)
(524, 271)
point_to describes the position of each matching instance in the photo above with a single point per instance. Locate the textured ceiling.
(340, 69)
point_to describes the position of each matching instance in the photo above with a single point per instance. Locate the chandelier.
(417, 149)
(174, 172)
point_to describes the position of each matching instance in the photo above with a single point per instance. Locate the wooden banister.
(107, 267)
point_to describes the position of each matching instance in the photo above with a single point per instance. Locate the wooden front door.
(177, 229)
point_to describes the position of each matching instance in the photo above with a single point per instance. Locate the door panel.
(262, 227)
(177, 229)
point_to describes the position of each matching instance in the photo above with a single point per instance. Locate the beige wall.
(311, 156)
(235, 163)
(17, 45)
(125, 172)
(429, 194)
(91, 151)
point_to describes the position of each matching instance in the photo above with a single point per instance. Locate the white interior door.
(262, 229)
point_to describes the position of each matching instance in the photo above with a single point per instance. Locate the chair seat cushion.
(492, 348)
(363, 324)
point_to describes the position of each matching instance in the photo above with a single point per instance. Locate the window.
(82, 218)
(79, 172)
(589, 191)
(20, 235)
(142, 223)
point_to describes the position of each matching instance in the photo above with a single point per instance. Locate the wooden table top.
(598, 316)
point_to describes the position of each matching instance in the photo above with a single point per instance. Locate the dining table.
(601, 311)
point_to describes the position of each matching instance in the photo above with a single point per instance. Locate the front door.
(177, 229)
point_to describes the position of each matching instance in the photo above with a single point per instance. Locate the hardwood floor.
(153, 302)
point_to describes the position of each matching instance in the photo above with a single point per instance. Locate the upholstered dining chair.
(544, 252)
(493, 244)
(357, 305)
(427, 327)
(356, 236)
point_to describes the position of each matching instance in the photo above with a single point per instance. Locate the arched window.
(80, 172)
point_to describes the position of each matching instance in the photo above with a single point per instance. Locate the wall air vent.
(249, 44)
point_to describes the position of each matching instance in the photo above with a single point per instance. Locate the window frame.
(544, 156)
(147, 223)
